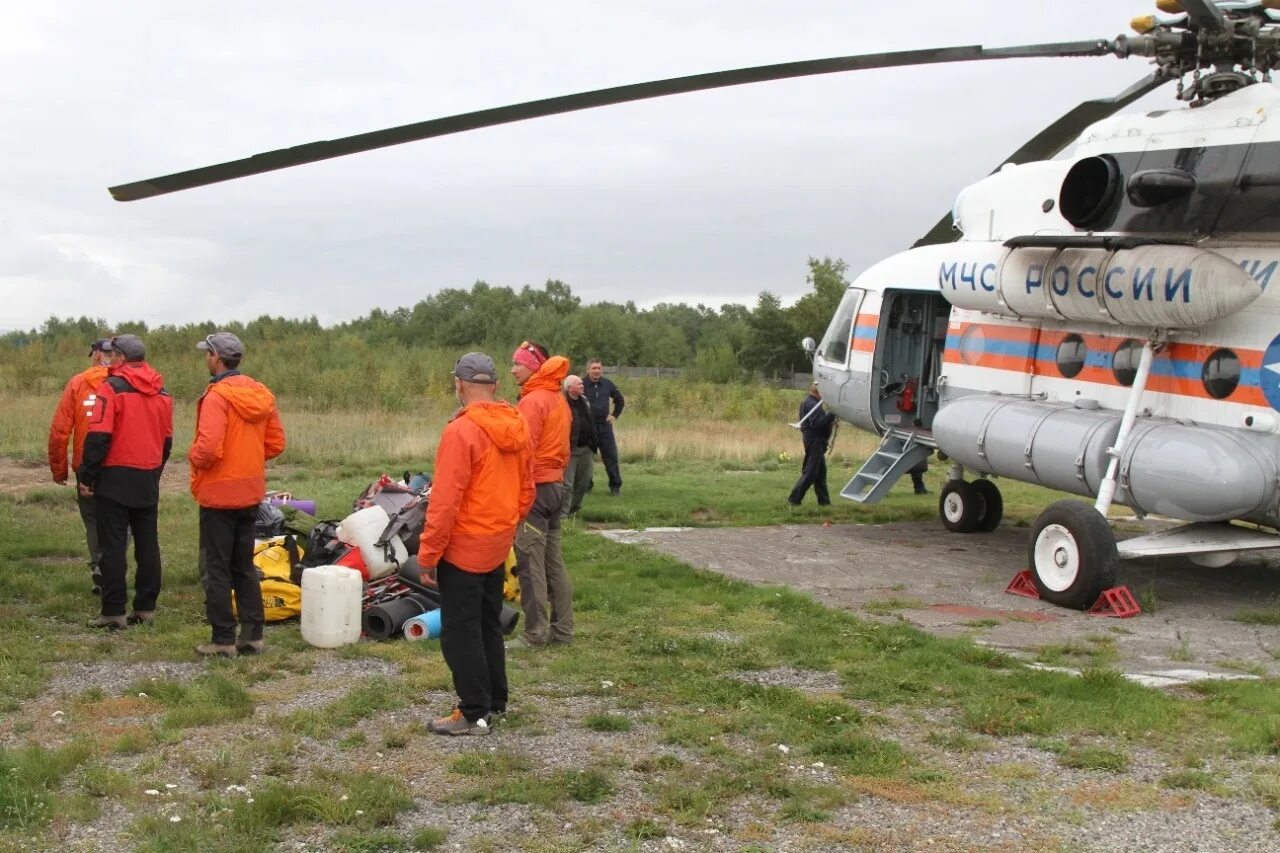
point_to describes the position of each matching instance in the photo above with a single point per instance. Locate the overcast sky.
(710, 197)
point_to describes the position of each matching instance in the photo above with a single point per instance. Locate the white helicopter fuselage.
(1014, 350)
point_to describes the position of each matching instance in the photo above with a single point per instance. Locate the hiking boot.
(613, 493)
(142, 617)
(210, 650)
(250, 647)
(456, 724)
(521, 644)
(111, 623)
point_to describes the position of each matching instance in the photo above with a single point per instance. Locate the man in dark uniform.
(582, 447)
(601, 393)
(815, 428)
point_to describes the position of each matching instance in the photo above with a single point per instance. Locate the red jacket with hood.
(130, 436)
(237, 430)
(481, 489)
(549, 419)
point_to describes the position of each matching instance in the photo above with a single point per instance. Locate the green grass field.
(664, 719)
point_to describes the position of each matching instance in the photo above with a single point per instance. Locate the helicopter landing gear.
(993, 509)
(1072, 554)
(970, 507)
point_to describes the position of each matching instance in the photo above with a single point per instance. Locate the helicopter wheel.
(960, 506)
(1072, 553)
(993, 505)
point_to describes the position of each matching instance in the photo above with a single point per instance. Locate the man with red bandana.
(546, 595)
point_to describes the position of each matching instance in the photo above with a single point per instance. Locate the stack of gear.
(380, 540)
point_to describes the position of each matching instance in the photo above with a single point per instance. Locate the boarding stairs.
(900, 450)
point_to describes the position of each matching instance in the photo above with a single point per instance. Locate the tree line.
(301, 358)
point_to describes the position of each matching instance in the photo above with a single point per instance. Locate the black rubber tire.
(993, 503)
(960, 506)
(1082, 533)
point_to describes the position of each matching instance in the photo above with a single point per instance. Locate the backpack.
(279, 564)
(323, 546)
(406, 506)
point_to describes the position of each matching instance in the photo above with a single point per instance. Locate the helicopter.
(1094, 316)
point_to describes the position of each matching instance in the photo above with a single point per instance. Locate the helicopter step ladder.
(900, 450)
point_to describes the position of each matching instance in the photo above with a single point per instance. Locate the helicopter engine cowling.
(1156, 285)
(1184, 471)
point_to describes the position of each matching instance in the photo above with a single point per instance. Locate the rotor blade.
(1049, 142)
(1204, 14)
(315, 151)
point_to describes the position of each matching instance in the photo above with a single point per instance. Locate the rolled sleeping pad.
(428, 624)
(430, 599)
(302, 505)
(383, 621)
(423, 627)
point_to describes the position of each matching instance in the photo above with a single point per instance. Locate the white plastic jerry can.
(362, 529)
(331, 606)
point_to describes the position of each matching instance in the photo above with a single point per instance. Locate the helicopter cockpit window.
(835, 343)
(1124, 364)
(1221, 374)
(1072, 353)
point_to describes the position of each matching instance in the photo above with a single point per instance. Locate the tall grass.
(664, 420)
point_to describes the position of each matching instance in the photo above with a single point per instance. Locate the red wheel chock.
(1116, 602)
(1023, 585)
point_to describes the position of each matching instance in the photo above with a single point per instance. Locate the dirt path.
(954, 585)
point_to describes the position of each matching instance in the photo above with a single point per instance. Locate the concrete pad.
(952, 585)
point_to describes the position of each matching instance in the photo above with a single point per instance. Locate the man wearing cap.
(71, 423)
(481, 489)
(546, 596)
(130, 437)
(237, 430)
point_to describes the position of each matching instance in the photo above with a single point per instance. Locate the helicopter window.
(1072, 353)
(1221, 374)
(835, 343)
(1124, 364)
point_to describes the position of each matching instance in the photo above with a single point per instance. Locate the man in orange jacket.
(481, 489)
(71, 423)
(237, 430)
(546, 596)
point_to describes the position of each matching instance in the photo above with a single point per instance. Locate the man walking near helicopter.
(815, 428)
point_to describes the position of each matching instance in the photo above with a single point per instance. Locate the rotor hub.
(1220, 48)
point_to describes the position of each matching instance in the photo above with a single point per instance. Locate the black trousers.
(814, 473)
(471, 638)
(609, 454)
(226, 564)
(114, 521)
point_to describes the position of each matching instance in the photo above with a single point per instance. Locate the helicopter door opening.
(913, 332)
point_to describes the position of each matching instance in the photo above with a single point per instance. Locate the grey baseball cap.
(476, 367)
(129, 346)
(223, 345)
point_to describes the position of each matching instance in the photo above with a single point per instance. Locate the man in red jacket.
(237, 430)
(546, 595)
(482, 488)
(130, 437)
(71, 423)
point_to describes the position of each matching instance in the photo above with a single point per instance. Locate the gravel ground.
(994, 794)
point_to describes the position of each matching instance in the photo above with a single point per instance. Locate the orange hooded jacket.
(71, 420)
(237, 429)
(549, 419)
(481, 489)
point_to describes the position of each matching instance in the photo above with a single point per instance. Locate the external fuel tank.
(1175, 469)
